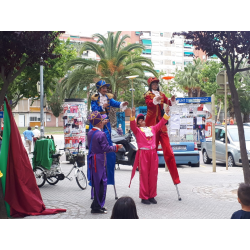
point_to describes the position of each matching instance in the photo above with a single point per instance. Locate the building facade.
(27, 113)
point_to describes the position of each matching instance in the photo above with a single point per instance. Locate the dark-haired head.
(150, 87)
(124, 208)
(244, 194)
(29, 128)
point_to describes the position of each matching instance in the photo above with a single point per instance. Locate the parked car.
(234, 156)
(246, 124)
(185, 153)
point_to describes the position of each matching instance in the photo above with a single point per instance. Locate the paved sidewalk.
(205, 195)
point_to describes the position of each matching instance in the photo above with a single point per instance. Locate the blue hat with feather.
(101, 83)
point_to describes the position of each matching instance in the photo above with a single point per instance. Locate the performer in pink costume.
(146, 157)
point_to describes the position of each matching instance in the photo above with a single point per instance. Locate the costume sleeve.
(160, 124)
(114, 103)
(133, 125)
(105, 145)
(95, 106)
(149, 101)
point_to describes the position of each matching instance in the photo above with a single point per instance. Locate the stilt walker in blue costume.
(102, 102)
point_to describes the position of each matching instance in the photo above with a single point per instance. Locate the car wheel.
(231, 162)
(206, 160)
(195, 165)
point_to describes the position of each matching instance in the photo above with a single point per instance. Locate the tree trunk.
(112, 115)
(56, 121)
(246, 117)
(236, 104)
(198, 92)
(218, 115)
(3, 213)
(231, 110)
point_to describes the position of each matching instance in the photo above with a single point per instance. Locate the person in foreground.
(244, 200)
(97, 161)
(124, 208)
(146, 158)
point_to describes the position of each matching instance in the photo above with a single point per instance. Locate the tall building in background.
(166, 57)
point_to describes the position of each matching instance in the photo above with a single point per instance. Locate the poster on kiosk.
(74, 117)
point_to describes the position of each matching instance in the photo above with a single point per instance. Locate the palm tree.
(189, 78)
(117, 61)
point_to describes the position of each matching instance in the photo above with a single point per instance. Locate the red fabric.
(153, 111)
(22, 192)
(147, 162)
(168, 155)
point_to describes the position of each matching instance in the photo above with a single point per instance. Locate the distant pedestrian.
(244, 200)
(124, 208)
(119, 130)
(37, 134)
(231, 121)
(218, 122)
(28, 134)
(224, 122)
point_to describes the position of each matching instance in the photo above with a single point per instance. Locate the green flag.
(4, 153)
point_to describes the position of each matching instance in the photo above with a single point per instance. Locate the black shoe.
(152, 200)
(145, 201)
(104, 209)
(98, 211)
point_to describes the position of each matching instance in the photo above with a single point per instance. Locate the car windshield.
(234, 134)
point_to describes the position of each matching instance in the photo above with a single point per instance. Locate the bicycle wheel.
(81, 179)
(40, 176)
(52, 180)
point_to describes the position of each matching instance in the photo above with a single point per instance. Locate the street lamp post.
(41, 98)
(132, 89)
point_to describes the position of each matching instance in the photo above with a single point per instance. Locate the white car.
(234, 156)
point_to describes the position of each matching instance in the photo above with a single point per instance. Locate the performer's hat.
(140, 116)
(152, 79)
(95, 118)
(101, 83)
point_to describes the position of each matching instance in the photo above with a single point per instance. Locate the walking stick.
(179, 197)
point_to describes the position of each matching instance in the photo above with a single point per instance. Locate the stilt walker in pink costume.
(146, 157)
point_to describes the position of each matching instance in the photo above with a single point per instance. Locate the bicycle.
(55, 174)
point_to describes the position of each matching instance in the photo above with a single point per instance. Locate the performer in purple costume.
(97, 161)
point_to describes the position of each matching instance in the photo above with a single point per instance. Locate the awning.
(188, 53)
(214, 56)
(146, 51)
(137, 32)
(188, 45)
(158, 71)
(146, 42)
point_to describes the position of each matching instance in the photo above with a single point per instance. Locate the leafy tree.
(116, 62)
(21, 49)
(189, 79)
(25, 84)
(231, 47)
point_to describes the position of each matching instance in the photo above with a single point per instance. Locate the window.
(48, 118)
(34, 119)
